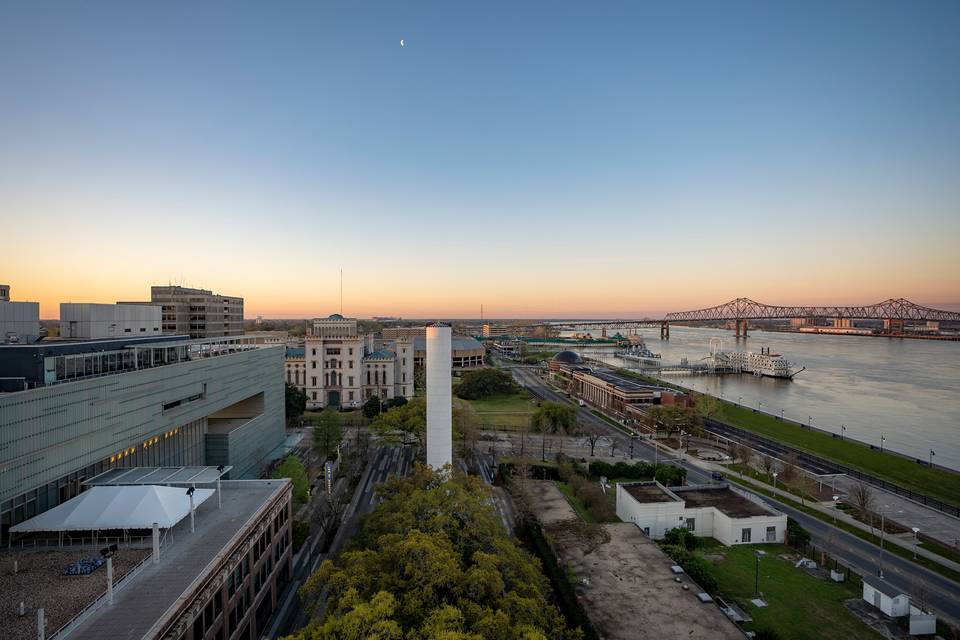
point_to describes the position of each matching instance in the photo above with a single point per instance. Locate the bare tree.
(806, 485)
(768, 464)
(741, 453)
(791, 469)
(593, 436)
(862, 498)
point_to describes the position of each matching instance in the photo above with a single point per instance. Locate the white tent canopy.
(117, 507)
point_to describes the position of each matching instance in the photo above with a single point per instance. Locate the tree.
(433, 562)
(796, 534)
(791, 468)
(862, 498)
(372, 408)
(395, 401)
(327, 433)
(741, 453)
(403, 423)
(593, 436)
(708, 406)
(292, 468)
(805, 485)
(768, 464)
(554, 417)
(296, 404)
(485, 383)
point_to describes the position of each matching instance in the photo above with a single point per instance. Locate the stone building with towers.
(340, 367)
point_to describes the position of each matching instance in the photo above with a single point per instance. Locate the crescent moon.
(401, 42)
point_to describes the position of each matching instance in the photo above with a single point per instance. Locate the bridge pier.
(665, 331)
(741, 326)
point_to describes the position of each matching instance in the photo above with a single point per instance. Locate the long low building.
(467, 353)
(76, 409)
(715, 511)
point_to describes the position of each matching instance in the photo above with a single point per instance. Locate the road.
(940, 593)
(386, 461)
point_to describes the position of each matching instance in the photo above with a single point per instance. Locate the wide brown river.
(907, 391)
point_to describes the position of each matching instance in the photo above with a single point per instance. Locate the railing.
(98, 602)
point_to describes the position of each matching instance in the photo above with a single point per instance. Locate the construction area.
(624, 582)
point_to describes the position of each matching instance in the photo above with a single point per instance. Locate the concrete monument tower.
(439, 403)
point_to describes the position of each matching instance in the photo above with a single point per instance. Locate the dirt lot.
(624, 581)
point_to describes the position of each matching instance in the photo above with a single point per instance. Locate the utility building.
(439, 401)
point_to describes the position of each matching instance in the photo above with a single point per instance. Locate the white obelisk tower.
(439, 402)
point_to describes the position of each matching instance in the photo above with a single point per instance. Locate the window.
(771, 534)
(313, 352)
(350, 365)
(404, 360)
(313, 381)
(351, 395)
(646, 531)
(314, 395)
(350, 352)
(350, 384)
(745, 535)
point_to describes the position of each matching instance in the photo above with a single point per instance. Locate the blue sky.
(541, 158)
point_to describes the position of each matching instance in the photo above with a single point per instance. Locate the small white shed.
(886, 597)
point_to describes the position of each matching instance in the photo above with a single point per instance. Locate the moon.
(401, 42)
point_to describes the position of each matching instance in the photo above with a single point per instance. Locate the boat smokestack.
(439, 401)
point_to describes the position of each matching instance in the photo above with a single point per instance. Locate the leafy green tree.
(296, 404)
(403, 422)
(707, 406)
(485, 383)
(292, 468)
(327, 433)
(554, 417)
(395, 401)
(435, 561)
(372, 408)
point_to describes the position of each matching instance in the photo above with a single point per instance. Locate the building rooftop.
(882, 586)
(624, 383)
(649, 492)
(722, 498)
(141, 604)
(382, 354)
(296, 353)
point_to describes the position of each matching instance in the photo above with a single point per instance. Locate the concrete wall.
(95, 321)
(52, 431)
(19, 321)
(729, 530)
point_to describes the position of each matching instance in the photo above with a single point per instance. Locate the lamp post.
(842, 431)
(916, 530)
(190, 495)
(219, 474)
(882, 440)
(107, 552)
(760, 406)
(739, 400)
(809, 421)
(932, 453)
(775, 474)
(835, 498)
(781, 415)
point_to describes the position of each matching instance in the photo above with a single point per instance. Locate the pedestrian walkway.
(907, 513)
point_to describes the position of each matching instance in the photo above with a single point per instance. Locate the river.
(907, 391)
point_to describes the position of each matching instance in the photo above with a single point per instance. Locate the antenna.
(341, 290)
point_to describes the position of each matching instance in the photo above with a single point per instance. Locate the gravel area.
(40, 583)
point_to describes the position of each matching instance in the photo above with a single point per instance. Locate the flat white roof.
(104, 508)
(157, 475)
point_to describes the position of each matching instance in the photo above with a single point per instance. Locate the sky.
(542, 159)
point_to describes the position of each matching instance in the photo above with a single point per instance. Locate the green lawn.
(508, 411)
(799, 605)
(934, 482)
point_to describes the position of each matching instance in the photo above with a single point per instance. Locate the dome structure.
(568, 357)
(335, 316)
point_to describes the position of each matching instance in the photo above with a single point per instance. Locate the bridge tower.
(741, 326)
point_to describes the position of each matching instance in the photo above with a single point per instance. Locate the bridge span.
(895, 312)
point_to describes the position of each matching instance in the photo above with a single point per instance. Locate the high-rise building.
(198, 313)
(340, 367)
(439, 400)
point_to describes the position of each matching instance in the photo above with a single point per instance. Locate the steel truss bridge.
(895, 312)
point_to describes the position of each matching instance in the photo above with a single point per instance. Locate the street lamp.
(932, 453)
(775, 474)
(916, 530)
(190, 494)
(882, 440)
(107, 552)
(842, 431)
(739, 400)
(760, 406)
(756, 579)
(835, 498)
(809, 421)
(781, 415)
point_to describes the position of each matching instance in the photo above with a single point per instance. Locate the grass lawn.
(507, 411)
(934, 482)
(799, 605)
